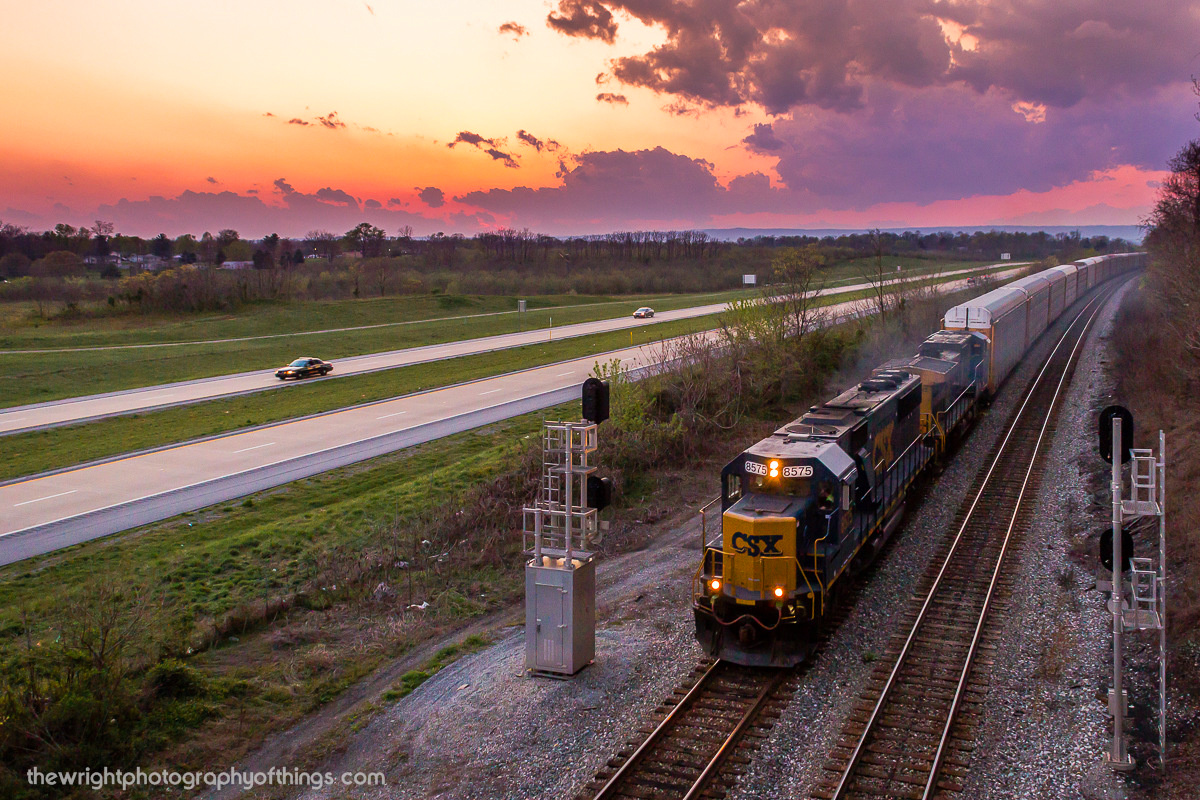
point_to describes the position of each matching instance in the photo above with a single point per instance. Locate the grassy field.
(56, 448)
(286, 563)
(37, 451)
(43, 376)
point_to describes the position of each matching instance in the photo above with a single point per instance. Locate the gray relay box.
(560, 615)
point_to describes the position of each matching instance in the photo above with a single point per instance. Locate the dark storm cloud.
(514, 29)
(602, 190)
(432, 197)
(613, 99)
(828, 53)
(763, 139)
(587, 18)
(943, 143)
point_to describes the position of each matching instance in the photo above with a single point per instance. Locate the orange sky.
(135, 99)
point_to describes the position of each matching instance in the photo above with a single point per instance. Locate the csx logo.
(756, 546)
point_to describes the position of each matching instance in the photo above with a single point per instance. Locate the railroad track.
(910, 735)
(703, 736)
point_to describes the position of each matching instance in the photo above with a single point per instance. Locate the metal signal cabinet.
(560, 616)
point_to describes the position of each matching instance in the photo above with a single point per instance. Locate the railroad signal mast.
(559, 529)
(1138, 599)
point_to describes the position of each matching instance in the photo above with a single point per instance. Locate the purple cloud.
(432, 197)
(331, 121)
(513, 29)
(195, 212)
(336, 196)
(828, 54)
(764, 140)
(298, 121)
(587, 18)
(467, 137)
(499, 155)
(606, 190)
(536, 143)
(613, 99)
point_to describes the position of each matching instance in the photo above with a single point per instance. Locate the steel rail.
(730, 741)
(609, 788)
(960, 689)
(843, 782)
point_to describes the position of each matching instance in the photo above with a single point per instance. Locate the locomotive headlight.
(774, 467)
(779, 591)
(715, 585)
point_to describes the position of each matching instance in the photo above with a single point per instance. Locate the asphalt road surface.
(82, 409)
(42, 514)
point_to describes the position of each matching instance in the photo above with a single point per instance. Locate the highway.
(42, 514)
(132, 401)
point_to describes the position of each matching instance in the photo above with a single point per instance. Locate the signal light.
(1106, 442)
(779, 591)
(599, 492)
(715, 585)
(595, 400)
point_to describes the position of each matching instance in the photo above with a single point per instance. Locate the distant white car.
(644, 312)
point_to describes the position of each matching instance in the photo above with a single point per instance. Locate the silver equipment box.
(560, 615)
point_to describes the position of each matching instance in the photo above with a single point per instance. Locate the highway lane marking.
(48, 497)
(570, 372)
(257, 446)
(493, 391)
(398, 413)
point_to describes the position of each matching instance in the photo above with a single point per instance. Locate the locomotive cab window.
(733, 487)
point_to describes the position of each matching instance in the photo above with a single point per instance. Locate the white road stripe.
(48, 497)
(398, 413)
(559, 375)
(493, 391)
(257, 446)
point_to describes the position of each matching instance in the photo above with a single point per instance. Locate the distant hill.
(1131, 233)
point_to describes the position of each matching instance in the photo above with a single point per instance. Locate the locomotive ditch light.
(779, 591)
(715, 585)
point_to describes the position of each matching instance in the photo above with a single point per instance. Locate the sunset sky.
(585, 116)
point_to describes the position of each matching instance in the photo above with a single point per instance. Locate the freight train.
(816, 501)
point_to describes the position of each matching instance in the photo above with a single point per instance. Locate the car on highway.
(645, 312)
(304, 367)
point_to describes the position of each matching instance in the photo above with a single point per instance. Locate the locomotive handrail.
(704, 521)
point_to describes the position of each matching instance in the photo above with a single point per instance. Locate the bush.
(175, 680)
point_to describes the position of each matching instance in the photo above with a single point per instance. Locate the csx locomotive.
(818, 499)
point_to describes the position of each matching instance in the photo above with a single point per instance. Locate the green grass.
(300, 542)
(412, 679)
(39, 377)
(45, 376)
(205, 564)
(54, 448)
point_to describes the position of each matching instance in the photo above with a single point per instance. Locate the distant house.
(142, 261)
(238, 265)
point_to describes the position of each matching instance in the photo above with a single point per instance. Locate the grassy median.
(408, 321)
